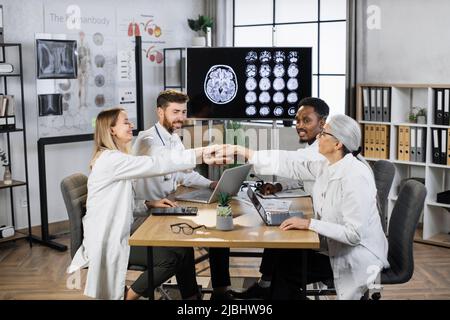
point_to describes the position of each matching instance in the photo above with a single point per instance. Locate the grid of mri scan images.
(271, 83)
(247, 83)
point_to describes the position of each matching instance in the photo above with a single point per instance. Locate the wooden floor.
(39, 273)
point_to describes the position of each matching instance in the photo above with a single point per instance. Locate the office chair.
(402, 226)
(384, 172)
(74, 191)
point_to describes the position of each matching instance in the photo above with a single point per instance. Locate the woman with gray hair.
(353, 245)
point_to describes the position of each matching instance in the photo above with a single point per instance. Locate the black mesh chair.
(384, 172)
(402, 226)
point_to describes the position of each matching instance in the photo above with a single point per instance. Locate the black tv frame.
(191, 71)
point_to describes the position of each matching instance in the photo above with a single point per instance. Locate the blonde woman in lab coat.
(110, 205)
(353, 245)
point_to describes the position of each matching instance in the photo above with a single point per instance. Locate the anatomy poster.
(105, 60)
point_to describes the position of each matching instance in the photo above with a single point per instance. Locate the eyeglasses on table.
(185, 228)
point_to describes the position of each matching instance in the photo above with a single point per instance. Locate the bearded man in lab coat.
(171, 108)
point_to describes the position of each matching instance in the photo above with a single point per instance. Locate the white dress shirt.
(346, 214)
(152, 142)
(109, 216)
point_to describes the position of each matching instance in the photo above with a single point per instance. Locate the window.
(320, 24)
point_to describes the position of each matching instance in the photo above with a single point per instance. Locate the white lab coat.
(109, 216)
(346, 214)
(308, 152)
(149, 143)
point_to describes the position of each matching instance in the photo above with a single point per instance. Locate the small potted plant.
(201, 26)
(7, 175)
(224, 218)
(421, 115)
(412, 117)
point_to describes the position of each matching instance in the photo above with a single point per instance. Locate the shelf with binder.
(376, 103)
(418, 150)
(436, 216)
(12, 120)
(440, 106)
(437, 204)
(438, 126)
(410, 143)
(410, 163)
(375, 122)
(434, 165)
(440, 146)
(407, 124)
(376, 141)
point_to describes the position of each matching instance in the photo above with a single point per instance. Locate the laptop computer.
(230, 182)
(271, 218)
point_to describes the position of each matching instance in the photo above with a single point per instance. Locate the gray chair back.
(402, 226)
(74, 192)
(384, 172)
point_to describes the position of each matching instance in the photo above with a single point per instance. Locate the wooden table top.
(249, 229)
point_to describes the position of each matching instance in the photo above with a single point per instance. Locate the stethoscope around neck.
(166, 177)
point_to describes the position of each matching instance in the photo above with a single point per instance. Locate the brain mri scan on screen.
(247, 83)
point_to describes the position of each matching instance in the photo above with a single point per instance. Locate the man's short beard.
(169, 126)
(306, 140)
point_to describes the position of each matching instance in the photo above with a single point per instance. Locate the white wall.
(411, 46)
(24, 18)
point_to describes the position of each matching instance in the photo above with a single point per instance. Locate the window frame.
(318, 23)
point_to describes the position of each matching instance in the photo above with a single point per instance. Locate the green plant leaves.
(201, 23)
(224, 199)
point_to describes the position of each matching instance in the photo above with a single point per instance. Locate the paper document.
(293, 193)
(271, 205)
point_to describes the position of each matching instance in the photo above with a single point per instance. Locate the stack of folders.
(7, 112)
(440, 146)
(403, 143)
(417, 142)
(376, 103)
(441, 106)
(376, 141)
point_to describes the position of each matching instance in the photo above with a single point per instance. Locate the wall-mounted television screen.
(247, 83)
(56, 59)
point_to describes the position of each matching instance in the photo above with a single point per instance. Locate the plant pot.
(422, 119)
(224, 223)
(224, 218)
(198, 41)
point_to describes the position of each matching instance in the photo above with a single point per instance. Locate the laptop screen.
(254, 199)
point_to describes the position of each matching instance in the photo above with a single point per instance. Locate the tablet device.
(174, 211)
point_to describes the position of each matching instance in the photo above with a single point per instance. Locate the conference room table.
(249, 232)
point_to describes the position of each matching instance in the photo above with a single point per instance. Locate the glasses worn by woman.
(323, 133)
(185, 228)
